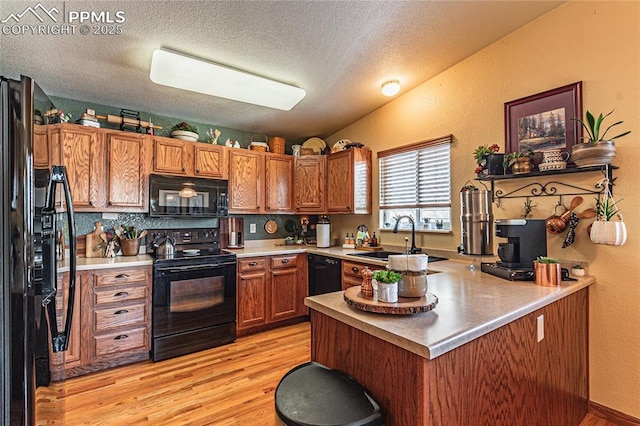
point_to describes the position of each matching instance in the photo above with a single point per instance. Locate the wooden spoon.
(575, 202)
(587, 214)
(143, 233)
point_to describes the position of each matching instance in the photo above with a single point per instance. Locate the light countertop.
(91, 263)
(471, 304)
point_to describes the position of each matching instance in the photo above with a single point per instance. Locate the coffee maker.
(526, 241)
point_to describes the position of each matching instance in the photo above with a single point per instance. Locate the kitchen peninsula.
(492, 351)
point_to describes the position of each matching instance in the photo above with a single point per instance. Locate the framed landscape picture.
(545, 120)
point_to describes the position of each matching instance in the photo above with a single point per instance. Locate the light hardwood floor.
(229, 385)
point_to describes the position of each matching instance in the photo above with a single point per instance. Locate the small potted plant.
(519, 162)
(546, 271)
(185, 131)
(597, 149)
(577, 270)
(488, 160)
(604, 230)
(387, 285)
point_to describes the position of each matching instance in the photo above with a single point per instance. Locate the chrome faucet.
(414, 249)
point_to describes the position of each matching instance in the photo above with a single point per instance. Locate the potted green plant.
(488, 160)
(597, 149)
(577, 270)
(387, 281)
(604, 230)
(185, 131)
(547, 271)
(519, 162)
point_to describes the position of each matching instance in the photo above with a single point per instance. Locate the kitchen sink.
(384, 255)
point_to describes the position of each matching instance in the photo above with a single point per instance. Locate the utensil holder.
(130, 247)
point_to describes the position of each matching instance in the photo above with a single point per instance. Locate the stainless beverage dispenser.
(476, 218)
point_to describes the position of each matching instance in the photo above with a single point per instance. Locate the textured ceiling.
(340, 52)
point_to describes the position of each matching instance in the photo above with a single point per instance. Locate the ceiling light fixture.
(391, 88)
(187, 190)
(177, 70)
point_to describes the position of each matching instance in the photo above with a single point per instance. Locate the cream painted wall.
(597, 43)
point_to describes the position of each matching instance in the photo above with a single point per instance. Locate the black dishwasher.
(325, 274)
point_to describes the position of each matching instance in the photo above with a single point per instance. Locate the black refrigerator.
(30, 219)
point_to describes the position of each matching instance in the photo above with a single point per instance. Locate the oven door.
(194, 307)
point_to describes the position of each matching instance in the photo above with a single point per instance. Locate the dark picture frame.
(545, 120)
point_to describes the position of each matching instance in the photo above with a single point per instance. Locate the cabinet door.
(127, 181)
(246, 182)
(252, 288)
(310, 182)
(279, 183)
(41, 147)
(72, 357)
(211, 161)
(171, 156)
(83, 156)
(284, 294)
(340, 182)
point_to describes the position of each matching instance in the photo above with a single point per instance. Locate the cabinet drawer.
(254, 264)
(120, 341)
(120, 316)
(355, 269)
(348, 281)
(120, 276)
(123, 294)
(290, 261)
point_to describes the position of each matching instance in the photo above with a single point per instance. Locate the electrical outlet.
(540, 323)
(252, 228)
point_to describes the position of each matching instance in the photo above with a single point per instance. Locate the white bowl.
(184, 135)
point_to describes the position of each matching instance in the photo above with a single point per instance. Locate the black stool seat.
(312, 394)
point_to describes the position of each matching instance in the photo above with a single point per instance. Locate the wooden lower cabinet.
(271, 290)
(352, 273)
(111, 322)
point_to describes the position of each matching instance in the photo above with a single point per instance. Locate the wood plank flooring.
(229, 385)
(226, 386)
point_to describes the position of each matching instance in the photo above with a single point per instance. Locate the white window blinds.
(416, 178)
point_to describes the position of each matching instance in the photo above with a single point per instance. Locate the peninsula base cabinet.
(505, 377)
(111, 321)
(271, 292)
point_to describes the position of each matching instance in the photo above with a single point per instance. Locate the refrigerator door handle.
(60, 340)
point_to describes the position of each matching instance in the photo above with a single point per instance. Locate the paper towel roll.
(411, 262)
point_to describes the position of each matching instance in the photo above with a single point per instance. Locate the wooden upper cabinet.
(246, 181)
(349, 181)
(210, 161)
(171, 156)
(310, 183)
(41, 147)
(83, 155)
(278, 187)
(128, 175)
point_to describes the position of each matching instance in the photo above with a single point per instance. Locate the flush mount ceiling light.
(187, 190)
(391, 88)
(177, 70)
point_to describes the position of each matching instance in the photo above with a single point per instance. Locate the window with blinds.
(415, 180)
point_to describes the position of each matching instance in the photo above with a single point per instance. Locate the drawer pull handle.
(121, 337)
(121, 294)
(121, 311)
(354, 269)
(253, 263)
(122, 276)
(285, 260)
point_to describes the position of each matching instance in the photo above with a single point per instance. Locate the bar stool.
(312, 394)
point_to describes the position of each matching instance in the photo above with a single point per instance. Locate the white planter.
(387, 292)
(184, 135)
(577, 272)
(612, 233)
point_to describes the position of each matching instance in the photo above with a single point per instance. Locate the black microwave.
(175, 196)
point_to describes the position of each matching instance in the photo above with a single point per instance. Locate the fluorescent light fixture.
(177, 70)
(391, 88)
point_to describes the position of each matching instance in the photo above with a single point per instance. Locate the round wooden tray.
(404, 305)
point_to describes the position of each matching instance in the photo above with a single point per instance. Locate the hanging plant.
(605, 230)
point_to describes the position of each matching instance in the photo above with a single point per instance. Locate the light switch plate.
(540, 323)
(110, 216)
(252, 228)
